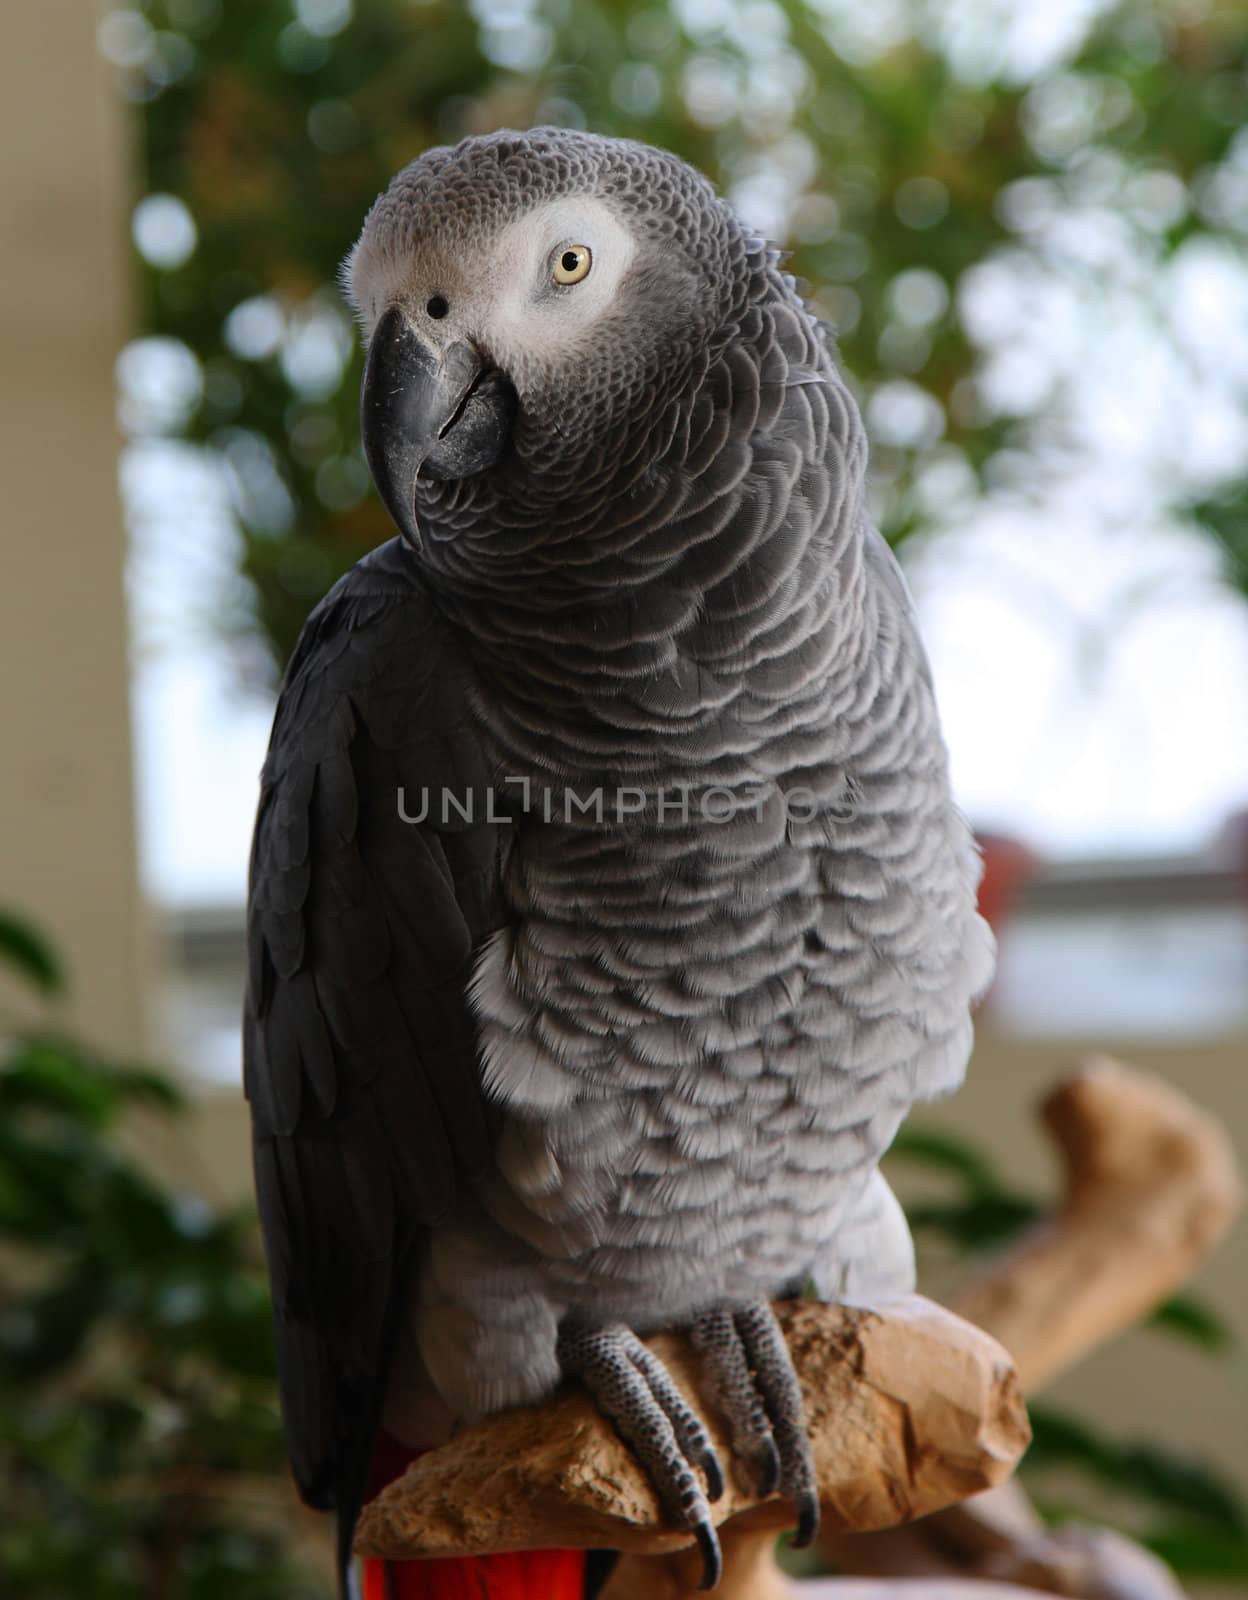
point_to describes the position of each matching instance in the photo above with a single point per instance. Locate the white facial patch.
(373, 278)
(503, 294)
(530, 317)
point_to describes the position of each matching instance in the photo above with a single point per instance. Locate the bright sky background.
(1091, 668)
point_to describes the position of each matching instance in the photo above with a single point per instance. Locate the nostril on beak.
(437, 306)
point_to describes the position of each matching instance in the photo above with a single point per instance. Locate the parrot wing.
(360, 1052)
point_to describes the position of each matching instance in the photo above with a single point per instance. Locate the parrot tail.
(517, 1575)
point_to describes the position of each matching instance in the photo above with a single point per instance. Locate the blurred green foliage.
(140, 1445)
(895, 149)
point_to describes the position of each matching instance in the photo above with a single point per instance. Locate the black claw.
(714, 1475)
(769, 1470)
(712, 1559)
(807, 1520)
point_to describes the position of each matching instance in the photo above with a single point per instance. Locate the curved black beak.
(445, 416)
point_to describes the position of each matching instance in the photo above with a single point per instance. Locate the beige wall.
(66, 828)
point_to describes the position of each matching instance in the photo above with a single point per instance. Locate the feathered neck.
(723, 529)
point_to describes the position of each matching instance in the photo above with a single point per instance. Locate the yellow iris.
(572, 264)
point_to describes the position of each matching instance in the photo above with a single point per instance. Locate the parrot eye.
(572, 264)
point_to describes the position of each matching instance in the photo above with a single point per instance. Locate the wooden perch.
(1150, 1186)
(909, 1409)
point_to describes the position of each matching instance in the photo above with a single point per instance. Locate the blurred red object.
(1008, 866)
(514, 1575)
(1232, 844)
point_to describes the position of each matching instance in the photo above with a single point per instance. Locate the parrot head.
(529, 301)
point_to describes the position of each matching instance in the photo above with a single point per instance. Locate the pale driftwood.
(1150, 1186)
(909, 1408)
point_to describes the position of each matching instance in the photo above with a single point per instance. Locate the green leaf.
(1059, 1438)
(1193, 1319)
(987, 1220)
(51, 1074)
(1198, 1552)
(947, 1153)
(149, 1085)
(1173, 1479)
(55, 1073)
(29, 953)
(1147, 1470)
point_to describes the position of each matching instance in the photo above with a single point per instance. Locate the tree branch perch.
(909, 1409)
(1150, 1184)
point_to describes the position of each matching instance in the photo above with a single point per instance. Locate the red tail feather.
(520, 1575)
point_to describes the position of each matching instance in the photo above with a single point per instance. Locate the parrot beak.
(445, 415)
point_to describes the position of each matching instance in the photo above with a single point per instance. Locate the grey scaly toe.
(632, 1388)
(750, 1373)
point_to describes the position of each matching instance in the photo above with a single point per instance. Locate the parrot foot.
(632, 1388)
(747, 1363)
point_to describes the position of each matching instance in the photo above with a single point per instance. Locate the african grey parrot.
(608, 906)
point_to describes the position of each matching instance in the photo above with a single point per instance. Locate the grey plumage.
(564, 1069)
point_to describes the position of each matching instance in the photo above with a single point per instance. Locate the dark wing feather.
(360, 1053)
